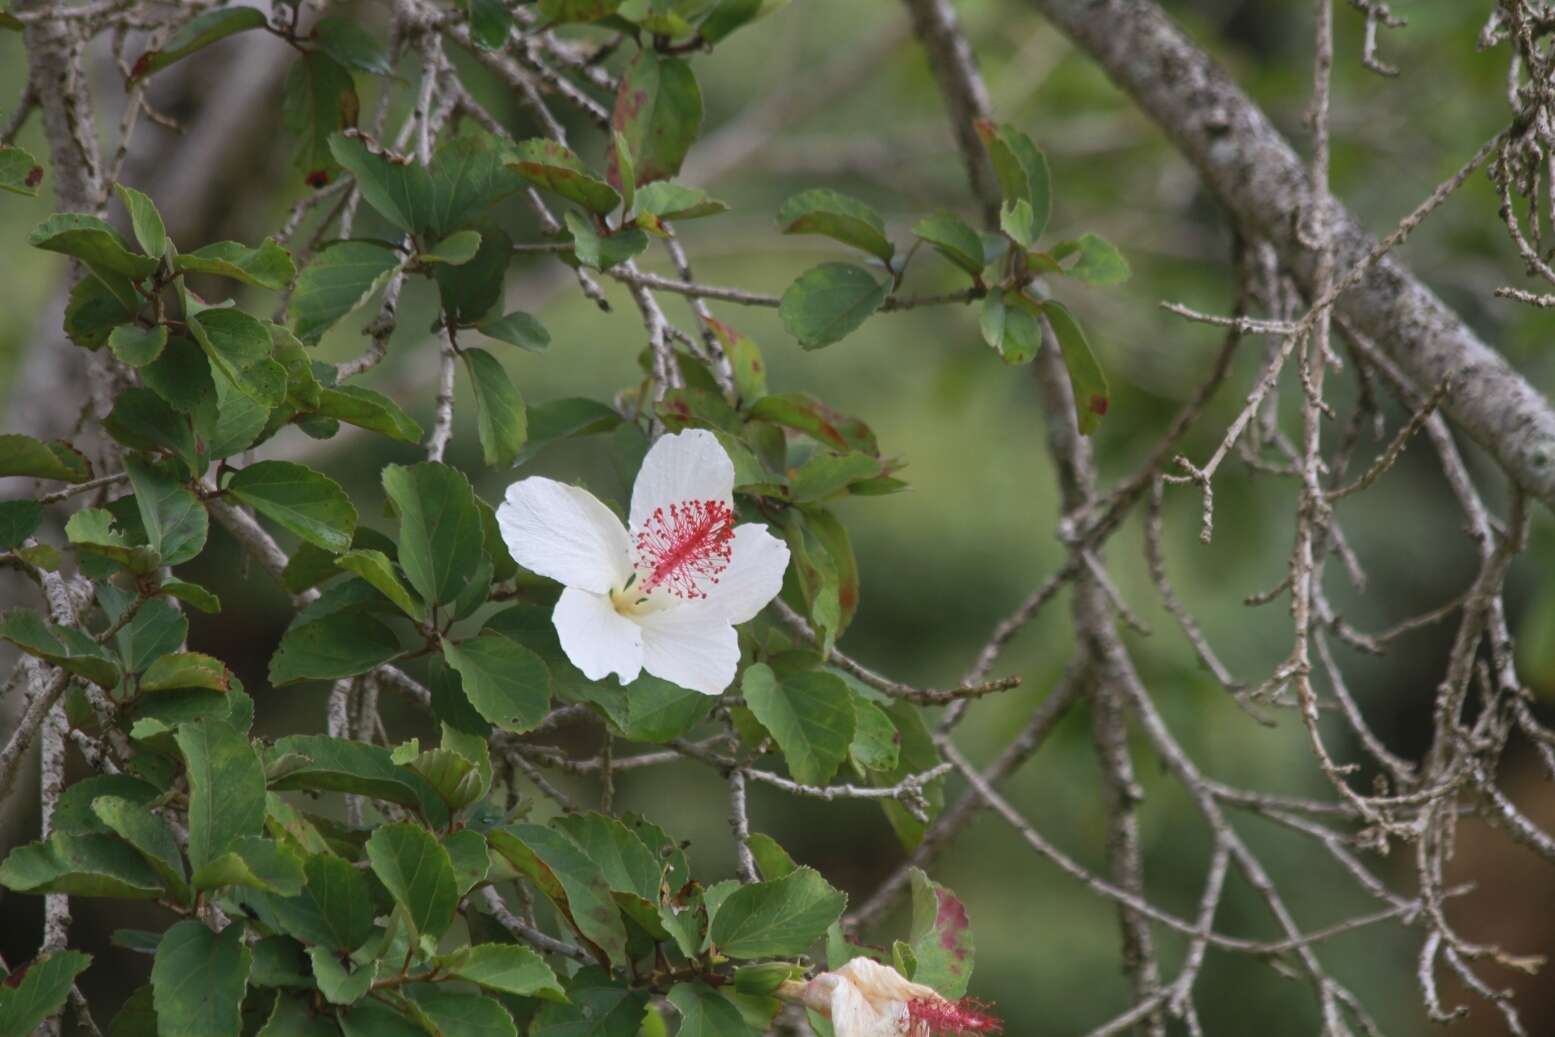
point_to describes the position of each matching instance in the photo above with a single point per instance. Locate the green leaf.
(175, 521)
(564, 419)
(917, 753)
(810, 714)
(1022, 332)
(562, 871)
(62, 646)
(135, 345)
(239, 347)
(499, 410)
(1091, 395)
(626, 863)
(89, 865)
(340, 645)
(291, 1017)
(560, 11)
(186, 670)
(192, 594)
(941, 938)
(73, 813)
(256, 863)
(38, 993)
(467, 174)
(375, 1019)
(337, 280)
(368, 409)
(93, 311)
(91, 530)
(376, 568)
(18, 520)
(473, 292)
(194, 34)
(306, 502)
(517, 329)
(771, 859)
(455, 250)
(343, 898)
(1021, 169)
(666, 201)
(837, 216)
(417, 872)
(352, 46)
(338, 986)
(140, 419)
(507, 968)
(464, 1015)
(197, 981)
(158, 628)
(507, 683)
(603, 250)
(400, 190)
(340, 765)
(829, 302)
(94, 242)
(441, 541)
(20, 173)
(1099, 262)
(23, 455)
(626, 171)
(600, 1007)
(553, 167)
(750, 371)
(658, 110)
(658, 711)
(144, 220)
(1018, 221)
(875, 738)
(181, 375)
(804, 413)
(706, 1013)
(826, 474)
(729, 15)
(954, 239)
(265, 266)
(490, 22)
(467, 847)
(226, 788)
(780, 918)
(319, 100)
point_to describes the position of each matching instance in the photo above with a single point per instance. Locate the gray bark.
(1256, 174)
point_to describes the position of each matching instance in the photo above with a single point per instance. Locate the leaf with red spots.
(19, 172)
(658, 111)
(804, 413)
(1091, 395)
(196, 34)
(35, 991)
(941, 938)
(319, 99)
(555, 168)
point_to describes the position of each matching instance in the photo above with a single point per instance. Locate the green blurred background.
(942, 562)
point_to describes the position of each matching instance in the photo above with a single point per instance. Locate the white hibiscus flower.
(663, 595)
(867, 999)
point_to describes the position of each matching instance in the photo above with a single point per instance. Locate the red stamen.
(689, 544)
(963, 1018)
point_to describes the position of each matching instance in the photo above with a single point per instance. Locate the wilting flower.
(664, 594)
(867, 999)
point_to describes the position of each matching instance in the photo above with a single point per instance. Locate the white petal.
(566, 533)
(881, 983)
(690, 646)
(854, 1015)
(753, 577)
(596, 638)
(689, 465)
